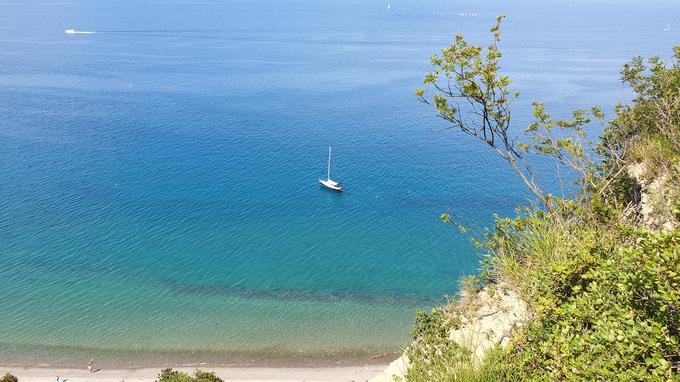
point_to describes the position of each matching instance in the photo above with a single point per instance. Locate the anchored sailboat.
(328, 182)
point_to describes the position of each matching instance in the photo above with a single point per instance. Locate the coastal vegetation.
(170, 375)
(9, 378)
(597, 274)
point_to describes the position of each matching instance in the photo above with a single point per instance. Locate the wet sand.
(231, 374)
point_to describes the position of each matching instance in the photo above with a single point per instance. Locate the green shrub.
(448, 362)
(606, 305)
(429, 325)
(9, 378)
(604, 298)
(202, 376)
(170, 375)
(619, 321)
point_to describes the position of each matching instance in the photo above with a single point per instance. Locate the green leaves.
(562, 140)
(496, 28)
(470, 93)
(431, 327)
(606, 299)
(612, 316)
(8, 378)
(170, 375)
(655, 110)
(469, 71)
(430, 78)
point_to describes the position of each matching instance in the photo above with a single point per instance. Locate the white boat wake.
(74, 31)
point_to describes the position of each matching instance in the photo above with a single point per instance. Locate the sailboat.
(668, 27)
(328, 182)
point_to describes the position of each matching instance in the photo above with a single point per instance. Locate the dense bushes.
(602, 288)
(9, 378)
(615, 319)
(169, 375)
(605, 299)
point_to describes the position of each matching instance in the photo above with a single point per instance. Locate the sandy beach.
(230, 374)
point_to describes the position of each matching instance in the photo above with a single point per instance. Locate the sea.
(159, 194)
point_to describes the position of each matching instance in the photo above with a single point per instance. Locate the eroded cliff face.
(395, 371)
(656, 196)
(487, 317)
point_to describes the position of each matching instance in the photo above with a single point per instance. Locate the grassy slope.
(603, 289)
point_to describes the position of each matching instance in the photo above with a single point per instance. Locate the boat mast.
(329, 162)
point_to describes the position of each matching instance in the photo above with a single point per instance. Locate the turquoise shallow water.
(159, 177)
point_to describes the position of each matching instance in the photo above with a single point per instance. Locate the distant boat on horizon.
(75, 31)
(328, 182)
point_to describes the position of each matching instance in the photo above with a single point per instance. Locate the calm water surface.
(158, 179)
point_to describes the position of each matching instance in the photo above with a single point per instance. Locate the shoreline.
(231, 374)
(74, 359)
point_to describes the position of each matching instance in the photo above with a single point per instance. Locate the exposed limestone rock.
(655, 198)
(488, 318)
(492, 314)
(395, 371)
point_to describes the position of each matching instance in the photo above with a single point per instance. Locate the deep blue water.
(158, 179)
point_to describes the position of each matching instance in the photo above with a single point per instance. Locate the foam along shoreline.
(231, 374)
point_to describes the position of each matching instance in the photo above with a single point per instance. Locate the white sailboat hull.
(330, 184)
